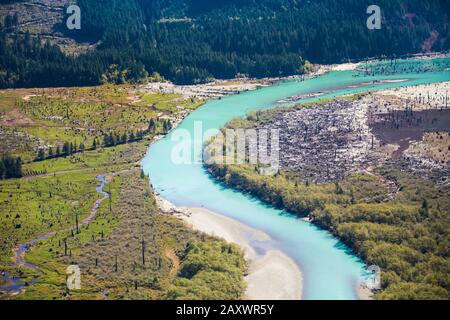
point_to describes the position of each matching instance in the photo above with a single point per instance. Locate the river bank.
(272, 275)
(311, 247)
(221, 88)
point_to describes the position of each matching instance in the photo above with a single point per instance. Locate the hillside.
(189, 41)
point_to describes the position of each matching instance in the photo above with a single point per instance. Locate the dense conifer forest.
(191, 41)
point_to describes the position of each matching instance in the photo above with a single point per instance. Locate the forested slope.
(189, 41)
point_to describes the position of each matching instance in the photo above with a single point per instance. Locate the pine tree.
(111, 140)
(11, 167)
(152, 126)
(106, 140)
(123, 138)
(2, 170)
(66, 149)
(40, 155)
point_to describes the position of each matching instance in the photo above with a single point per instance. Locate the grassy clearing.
(109, 252)
(52, 257)
(109, 249)
(57, 120)
(8, 100)
(106, 157)
(168, 102)
(127, 252)
(35, 205)
(32, 207)
(50, 117)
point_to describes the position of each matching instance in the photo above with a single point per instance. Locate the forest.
(193, 41)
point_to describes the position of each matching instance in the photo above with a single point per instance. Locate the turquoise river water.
(330, 270)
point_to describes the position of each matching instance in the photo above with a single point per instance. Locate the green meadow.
(129, 250)
(48, 118)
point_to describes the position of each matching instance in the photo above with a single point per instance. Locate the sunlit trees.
(138, 38)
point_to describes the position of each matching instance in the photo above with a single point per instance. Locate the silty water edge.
(330, 270)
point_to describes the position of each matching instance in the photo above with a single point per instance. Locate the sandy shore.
(272, 275)
(221, 88)
(212, 90)
(365, 293)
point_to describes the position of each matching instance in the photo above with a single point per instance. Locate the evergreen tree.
(123, 138)
(214, 46)
(111, 140)
(10, 167)
(66, 151)
(152, 126)
(2, 170)
(40, 154)
(132, 137)
(106, 140)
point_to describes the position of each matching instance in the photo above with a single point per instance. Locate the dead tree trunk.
(143, 251)
(76, 222)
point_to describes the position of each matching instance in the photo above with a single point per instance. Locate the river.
(330, 270)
